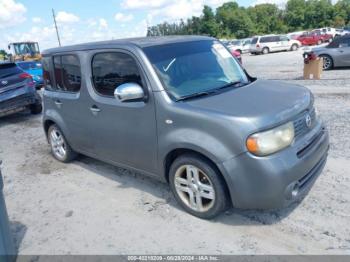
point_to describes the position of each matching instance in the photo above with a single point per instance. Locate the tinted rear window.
(67, 73)
(254, 40)
(7, 70)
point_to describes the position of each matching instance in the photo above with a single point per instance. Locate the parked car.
(237, 55)
(240, 45)
(272, 43)
(335, 54)
(314, 38)
(183, 110)
(34, 68)
(17, 91)
(341, 32)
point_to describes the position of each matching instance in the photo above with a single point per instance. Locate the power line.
(54, 19)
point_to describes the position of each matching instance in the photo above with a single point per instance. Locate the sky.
(82, 21)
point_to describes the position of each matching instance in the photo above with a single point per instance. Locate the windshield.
(26, 48)
(194, 67)
(29, 65)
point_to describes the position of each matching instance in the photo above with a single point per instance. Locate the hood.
(262, 103)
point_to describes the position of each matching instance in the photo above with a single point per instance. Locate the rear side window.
(46, 64)
(110, 70)
(254, 40)
(10, 69)
(67, 73)
(265, 39)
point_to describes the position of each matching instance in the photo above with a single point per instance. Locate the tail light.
(257, 45)
(25, 75)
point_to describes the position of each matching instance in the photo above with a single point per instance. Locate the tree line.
(233, 21)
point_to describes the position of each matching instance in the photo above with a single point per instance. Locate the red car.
(237, 55)
(314, 38)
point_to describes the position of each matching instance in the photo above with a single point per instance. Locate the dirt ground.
(89, 207)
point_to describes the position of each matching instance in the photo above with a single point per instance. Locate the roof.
(141, 42)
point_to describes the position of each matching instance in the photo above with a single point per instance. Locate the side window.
(345, 42)
(275, 39)
(67, 73)
(264, 40)
(46, 62)
(110, 70)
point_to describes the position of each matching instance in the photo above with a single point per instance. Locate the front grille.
(18, 101)
(300, 126)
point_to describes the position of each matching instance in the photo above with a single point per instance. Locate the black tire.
(36, 108)
(70, 154)
(265, 50)
(221, 199)
(294, 47)
(327, 62)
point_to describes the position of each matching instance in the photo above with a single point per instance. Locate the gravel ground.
(89, 207)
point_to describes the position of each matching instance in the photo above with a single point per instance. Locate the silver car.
(336, 54)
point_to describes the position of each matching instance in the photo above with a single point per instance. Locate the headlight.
(271, 141)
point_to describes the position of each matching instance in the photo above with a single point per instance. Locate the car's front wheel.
(327, 62)
(60, 149)
(198, 186)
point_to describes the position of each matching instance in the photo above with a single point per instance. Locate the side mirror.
(129, 92)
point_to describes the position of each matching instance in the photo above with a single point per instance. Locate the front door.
(343, 52)
(122, 132)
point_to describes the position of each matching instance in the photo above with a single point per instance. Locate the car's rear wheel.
(327, 62)
(36, 108)
(60, 149)
(198, 186)
(265, 50)
(294, 47)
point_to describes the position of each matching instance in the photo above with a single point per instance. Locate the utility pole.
(54, 19)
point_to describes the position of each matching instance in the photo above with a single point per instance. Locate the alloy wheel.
(327, 63)
(57, 144)
(194, 188)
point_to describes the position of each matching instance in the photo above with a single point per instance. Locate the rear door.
(62, 98)
(273, 42)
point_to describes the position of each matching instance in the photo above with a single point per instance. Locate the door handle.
(58, 102)
(94, 109)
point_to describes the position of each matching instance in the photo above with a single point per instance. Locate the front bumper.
(277, 180)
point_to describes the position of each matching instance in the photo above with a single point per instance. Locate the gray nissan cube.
(183, 110)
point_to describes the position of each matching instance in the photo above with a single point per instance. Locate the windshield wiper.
(195, 95)
(231, 84)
